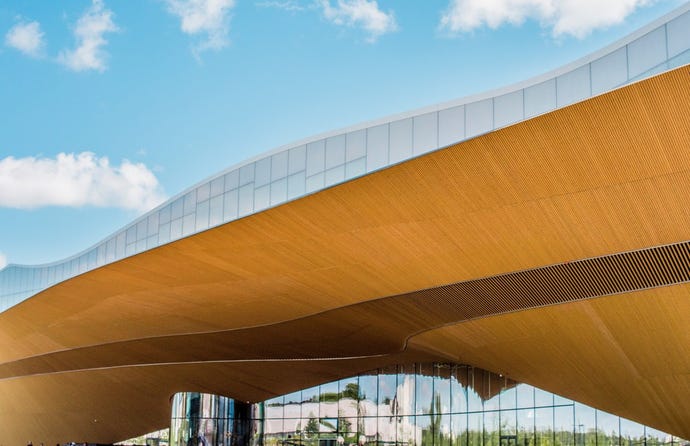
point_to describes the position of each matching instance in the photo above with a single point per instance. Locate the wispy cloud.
(360, 13)
(287, 5)
(77, 180)
(3, 260)
(207, 19)
(27, 38)
(577, 18)
(89, 33)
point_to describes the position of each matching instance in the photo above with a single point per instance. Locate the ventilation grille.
(566, 282)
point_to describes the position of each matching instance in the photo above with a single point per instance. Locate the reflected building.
(436, 404)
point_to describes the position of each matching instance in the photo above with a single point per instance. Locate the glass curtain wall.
(410, 405)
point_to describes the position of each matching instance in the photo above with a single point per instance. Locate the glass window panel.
(585, 425)
(356, 168)
(525, 427)
(348, 405)
(216, 210)
(368, 394)
(508, 395)
(509, 425)
(246, 200)
(646, 52)
(543, 423)
(297, 159)
(632, 433)
(203, 192)
(246, 175)
(459, 429)
(607, 429)
(525, 395)
(368, 427)
(279, 191)
(657, 438)
(400, 140)
(153, 223)
(217, 186)
(424, 386)
(131, 234)
(479, 117)
(328, 398)
(176, 229)
(273, 431)
(678, 32)
(120, 245)
(262, 172)
(316, 157)
(474, 386)
(202, 215)
(425, 135)
(293, 430)
(451, 125)
(492, 428)
(190, 202)
(335, 151)
(475, 428)
(188, 224)
(491, 385)
(328, 425)
(335, 175)
(347, 428)
(232, 180)
(458, 389)
(406, 389)
(387, 429)
(424, 426)
(315, 182)
(142, 229)
(609, 71)
(152, 241)
(230, 205)
(292, 408)
(262, 198)
(296, 185)
(508, 108)
(377, 147)
(355, 145)
(279, 165)
(563, 425)
(573, 86)
(442, 388)
(540, 98)
(130, 250)
(387, 388)
(273, 407)
(177, 208)
(542, 398)
(165, 214)
(407, 432)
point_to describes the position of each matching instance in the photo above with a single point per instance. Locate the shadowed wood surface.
(608, 175)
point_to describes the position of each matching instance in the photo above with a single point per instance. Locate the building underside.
(554, 252)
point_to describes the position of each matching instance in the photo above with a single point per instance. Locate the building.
(540, 232)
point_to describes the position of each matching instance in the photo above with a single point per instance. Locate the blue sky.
(109, 106)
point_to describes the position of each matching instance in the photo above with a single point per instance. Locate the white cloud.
(89, 33)
(208, 18)
(27, 38)
(564, 17)
(287, 5)
(364, 13)
(3, 260)
(77, 180)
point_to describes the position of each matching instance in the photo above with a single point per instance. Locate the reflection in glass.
(378, 408)
(525, 427)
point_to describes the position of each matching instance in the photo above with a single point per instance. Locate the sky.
(108, 107)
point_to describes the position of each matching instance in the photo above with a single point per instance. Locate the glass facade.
(412, 405)
(293, 171)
